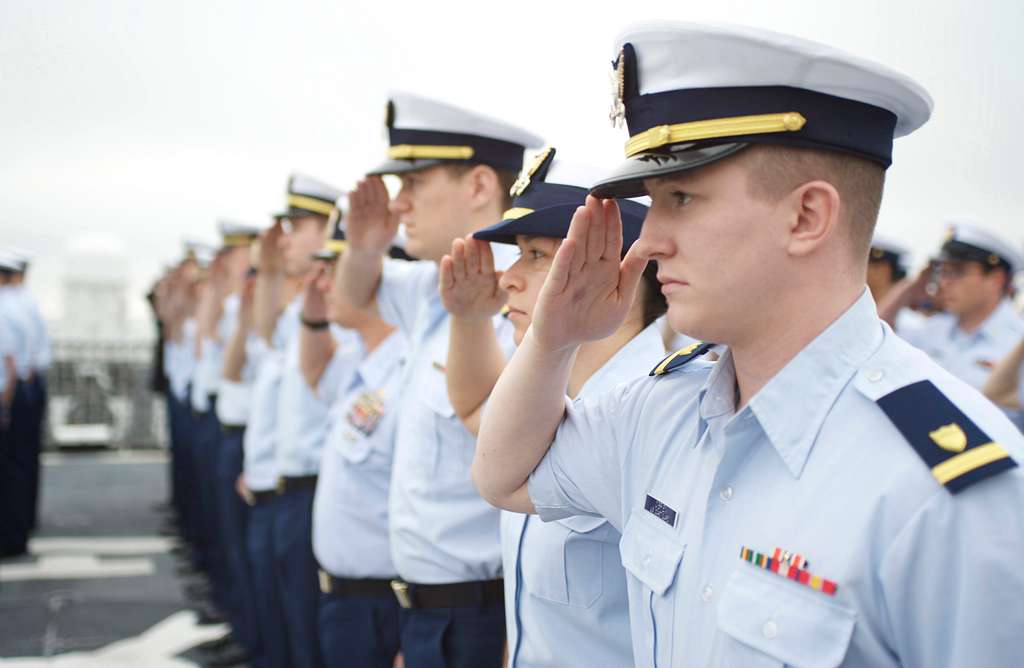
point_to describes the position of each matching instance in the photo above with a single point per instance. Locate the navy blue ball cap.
(546, 196)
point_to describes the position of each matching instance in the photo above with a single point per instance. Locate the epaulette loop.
(681, 357)
(956, 450)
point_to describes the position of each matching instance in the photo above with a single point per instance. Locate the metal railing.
(100, 395)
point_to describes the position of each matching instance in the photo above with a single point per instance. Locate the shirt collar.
(793, 405)
(997, 323)
(378, 365)
(640, 350)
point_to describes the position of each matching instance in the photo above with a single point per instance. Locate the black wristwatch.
(314, 324)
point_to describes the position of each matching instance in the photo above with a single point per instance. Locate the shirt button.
(725, 493)
(707, 594)
(646, 561)
(876, 375)
(770, 629)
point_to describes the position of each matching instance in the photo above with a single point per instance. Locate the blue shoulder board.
(957, 451)
(681, 357)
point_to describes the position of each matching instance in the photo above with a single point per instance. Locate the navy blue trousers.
(37, 397)
(464, 637)
(205, 459)
(17, 464)
(296, 571)
(234, 525)
(269, 613)
(359, 630)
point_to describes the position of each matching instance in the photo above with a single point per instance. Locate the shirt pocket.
(570, 559)
(449, 453)
(767, 623)
(653, 555)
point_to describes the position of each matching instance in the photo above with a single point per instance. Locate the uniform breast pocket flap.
(765, 623)
(435, 395)
(355, 447)
(649, 553)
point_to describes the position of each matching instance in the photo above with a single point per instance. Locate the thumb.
(631, 269)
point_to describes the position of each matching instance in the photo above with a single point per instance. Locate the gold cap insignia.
(523, 182)
(950, 437)
(617, 113)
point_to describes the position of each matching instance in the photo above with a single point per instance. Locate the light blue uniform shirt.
(21, 329)
(565, 589)
(211, 356)
(301, 416)
(260, 440)
(970, 357)
(6, 346)
(350, 510)
(42, 353)
(441, 530)
(180, 361)
(812, 465)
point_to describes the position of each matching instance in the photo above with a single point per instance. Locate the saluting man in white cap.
(457, 168)
(980, 325)
(823, 494)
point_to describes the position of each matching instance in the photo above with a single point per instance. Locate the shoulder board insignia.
(681, 357)
(957, 451)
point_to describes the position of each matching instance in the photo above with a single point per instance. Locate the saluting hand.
(271, 260)
(245, 304)
(588, 290)
(468, 282)
(314, 305)
(370, 225)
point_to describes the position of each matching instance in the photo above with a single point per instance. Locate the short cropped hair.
(506, 178)
(776, 170)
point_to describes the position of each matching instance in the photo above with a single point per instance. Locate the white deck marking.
(154, 648)
(119, 545)
(76, 567)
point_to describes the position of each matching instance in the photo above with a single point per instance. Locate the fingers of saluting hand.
(561, 268)
(597, 230)
(613, 230)
(486, 257)
(447, 273)
(630, 271)
(459, 259)
(378, 191)
(579, 229)
(473, 261)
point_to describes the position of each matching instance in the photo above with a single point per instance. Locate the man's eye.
(536, 254)
(682, 198)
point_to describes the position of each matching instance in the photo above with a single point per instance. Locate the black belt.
(263, 495)
(232, 428)
(287, 484)
(331, 584)
(454, 595)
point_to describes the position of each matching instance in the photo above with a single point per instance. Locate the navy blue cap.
(543, 206)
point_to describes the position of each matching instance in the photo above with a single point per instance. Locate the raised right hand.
(588, 290)
(468, 281)
(271, 260)
(369, 224)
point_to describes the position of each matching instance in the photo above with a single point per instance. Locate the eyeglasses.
(956, 270)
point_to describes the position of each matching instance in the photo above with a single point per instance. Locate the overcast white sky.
(136, 123)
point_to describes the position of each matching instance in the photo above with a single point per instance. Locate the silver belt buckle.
(401, 590)
(325, 582)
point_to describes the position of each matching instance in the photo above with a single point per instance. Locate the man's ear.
(814, 209)
(483, 184)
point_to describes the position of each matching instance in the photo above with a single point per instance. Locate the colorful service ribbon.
(794, 567)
